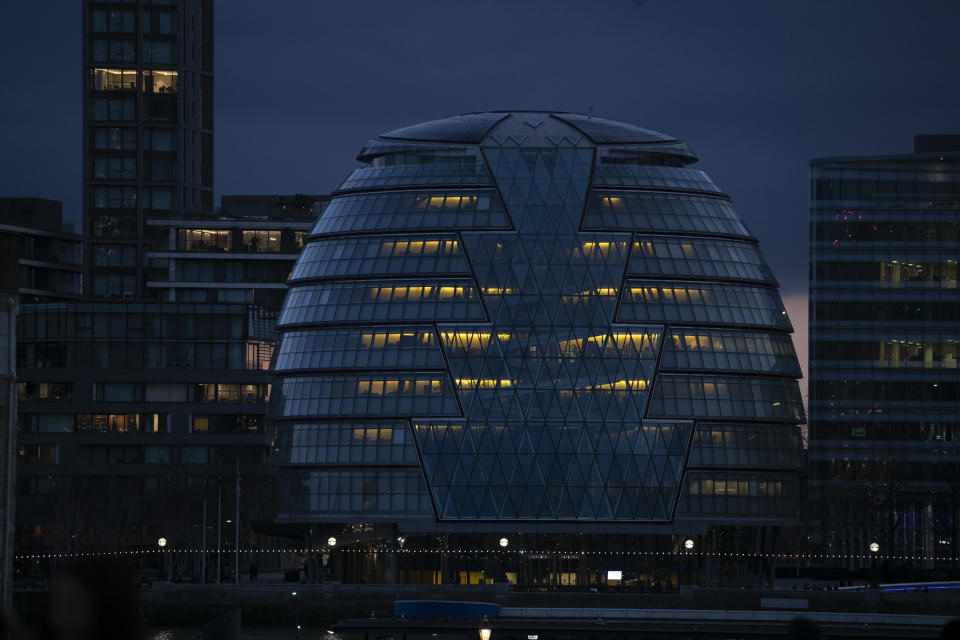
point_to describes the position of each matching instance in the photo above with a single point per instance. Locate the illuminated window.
(226, 423)
(263, 241)
(419, 247)
(113, 79)
(483, 383)
(203, 240)
(215, 392)
(45, 391)
(402, 293)
(121, 423)
(471, 341)
(37, 454)
(159, 81)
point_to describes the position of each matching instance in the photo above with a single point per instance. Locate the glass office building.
(884, 344)
(534, 322)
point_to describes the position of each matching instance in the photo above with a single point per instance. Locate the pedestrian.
(253, 572)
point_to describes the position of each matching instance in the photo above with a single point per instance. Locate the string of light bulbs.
(493, 553)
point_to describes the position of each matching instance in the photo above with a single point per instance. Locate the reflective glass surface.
(411, 175)
(381, 255)
(725, 397)
(745, 493)
(609, 174)
(710, 258)
(430, 210)
(469, 127)
(636, 211)
(348, 443)
(648, 301)
(343, 492)
(729, 350)
(603, 131)
(369, 347)
(397, 300)
(394, 394)
(742, 445)
(513, 330)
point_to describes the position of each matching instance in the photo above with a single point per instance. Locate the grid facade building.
(147, 133)
(534, 321)
(153, 405)
(48, 263)
(884, 344)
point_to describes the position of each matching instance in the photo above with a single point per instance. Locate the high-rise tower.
(147, 133)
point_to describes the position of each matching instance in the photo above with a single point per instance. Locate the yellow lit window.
(483, 383)
(159, 81)
(613, 202)
(114, 79)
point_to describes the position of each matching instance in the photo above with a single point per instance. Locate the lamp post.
(162, 543)
(484, 630)
(874, 549)
(688, 544)
(504, 543)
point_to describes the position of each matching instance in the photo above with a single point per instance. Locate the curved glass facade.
(453, 355)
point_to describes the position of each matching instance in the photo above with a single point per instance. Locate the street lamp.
(503, 543)
(688, 544)
(874, 547)
(331, 541)
(162, 542)
(484, 630)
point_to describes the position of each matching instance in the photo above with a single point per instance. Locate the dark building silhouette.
(49, 264)
(129, 410)
(884, 346)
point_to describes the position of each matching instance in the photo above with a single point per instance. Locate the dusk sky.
(758, 88)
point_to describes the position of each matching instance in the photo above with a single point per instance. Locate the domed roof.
(472, 128)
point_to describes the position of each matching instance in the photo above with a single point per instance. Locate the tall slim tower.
(147, 133)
